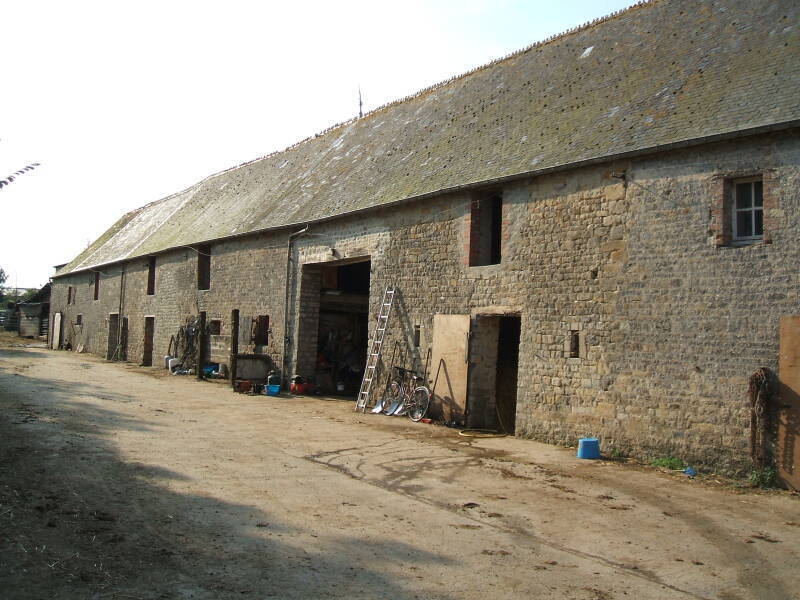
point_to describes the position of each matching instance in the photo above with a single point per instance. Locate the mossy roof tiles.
(654, 75)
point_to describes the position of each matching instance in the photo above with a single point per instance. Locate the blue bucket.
(589, 448)
(273, 390)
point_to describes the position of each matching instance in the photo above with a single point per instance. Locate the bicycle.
(405, 395)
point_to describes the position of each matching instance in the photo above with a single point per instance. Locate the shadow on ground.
(78, 521)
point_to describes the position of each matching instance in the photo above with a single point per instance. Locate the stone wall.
(670, 321)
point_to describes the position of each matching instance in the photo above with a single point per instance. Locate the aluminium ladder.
(375, 347)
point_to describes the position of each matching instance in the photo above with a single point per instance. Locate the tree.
(3, 278)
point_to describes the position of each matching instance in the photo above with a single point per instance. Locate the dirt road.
(116, 483)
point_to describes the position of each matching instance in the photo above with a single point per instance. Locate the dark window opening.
(96, 285)
(260, 333)
(574, 344)
(70, 294)
(203, 267)
(486, 231)
(151, 276)
(416, 336)
(79, 320)
(214, 327)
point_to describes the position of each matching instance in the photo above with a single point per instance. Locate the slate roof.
(656, 74)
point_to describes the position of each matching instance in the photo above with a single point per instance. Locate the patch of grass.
(669, 462)
(616, 454)
(764, 477)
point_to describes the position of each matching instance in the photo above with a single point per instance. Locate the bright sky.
(123, 103)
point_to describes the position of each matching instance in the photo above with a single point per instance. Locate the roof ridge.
(435, 86)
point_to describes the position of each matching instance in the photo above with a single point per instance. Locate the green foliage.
(3, 276)
(669, 462)
(764, 477)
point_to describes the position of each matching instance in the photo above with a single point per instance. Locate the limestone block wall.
(670, 323)
(246, 274)
(674, 323)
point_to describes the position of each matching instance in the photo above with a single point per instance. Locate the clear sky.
(125, 103)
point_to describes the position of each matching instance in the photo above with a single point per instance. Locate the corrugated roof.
(656, 74)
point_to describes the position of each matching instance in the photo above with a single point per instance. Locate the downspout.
(286, 338)
(119, 317)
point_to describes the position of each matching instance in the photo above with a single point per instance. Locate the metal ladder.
(375, 347)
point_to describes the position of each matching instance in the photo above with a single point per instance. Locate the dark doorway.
(123, 340)
(342, 336)
(149, 331)
(113, 337)
(507, 369)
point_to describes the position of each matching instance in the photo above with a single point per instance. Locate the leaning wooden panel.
(788, 451)
(450, 366)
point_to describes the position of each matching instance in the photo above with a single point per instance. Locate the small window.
(203, 267)
(260, 332)
(486, 231)
(70, 295)
(151, 276)
(416, 336)
(214, 327)
(747, 210)
(79, 320)
(96, 285)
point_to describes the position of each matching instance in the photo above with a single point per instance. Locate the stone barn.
(595, 235)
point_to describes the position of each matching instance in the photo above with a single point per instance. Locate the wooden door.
(788, 456)
(149, 330)
(56, 341)
(113, 337)
(449, 368)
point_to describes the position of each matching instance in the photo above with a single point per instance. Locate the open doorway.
(342, 336)
(506, 373)
(494, 363)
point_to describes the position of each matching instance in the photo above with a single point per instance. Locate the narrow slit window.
(203, 267)
(96, 285)
(151, 276)
(79, 320)
(70, 293)
(416, 336)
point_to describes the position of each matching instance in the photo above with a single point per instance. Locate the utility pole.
(360, 104)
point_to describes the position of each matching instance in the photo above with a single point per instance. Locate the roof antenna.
(360, 104)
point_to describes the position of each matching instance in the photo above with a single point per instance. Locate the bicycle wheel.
(420, 401)
(392, 398)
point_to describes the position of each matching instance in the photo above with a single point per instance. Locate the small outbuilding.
(34, 314)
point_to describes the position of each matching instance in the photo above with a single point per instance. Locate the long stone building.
(595, 235)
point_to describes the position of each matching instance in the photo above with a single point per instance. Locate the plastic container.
(589, 448)
(172, 363)
(273, 390)
(210, 368)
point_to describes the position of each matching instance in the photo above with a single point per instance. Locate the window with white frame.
(748, 209)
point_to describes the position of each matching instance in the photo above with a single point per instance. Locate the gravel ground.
(120, 482)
